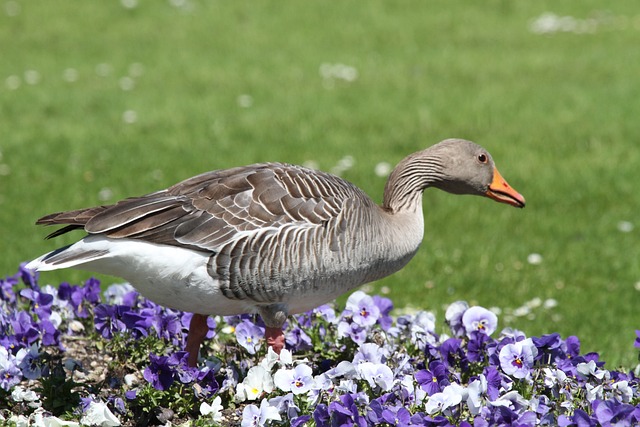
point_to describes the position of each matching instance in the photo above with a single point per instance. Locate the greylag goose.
(269, 238)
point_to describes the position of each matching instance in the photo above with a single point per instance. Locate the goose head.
(467, 168)
(454, 165)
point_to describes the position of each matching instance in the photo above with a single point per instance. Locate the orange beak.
(502, 192)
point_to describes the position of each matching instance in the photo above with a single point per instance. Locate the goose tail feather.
(66, 257)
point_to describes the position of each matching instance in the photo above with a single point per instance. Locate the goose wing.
(209, 210)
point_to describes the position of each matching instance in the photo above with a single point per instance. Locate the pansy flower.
(517, 359)
(378, 375)
(479, 319)
(257, 382)
(108, 319)
(298, 380)
(453, 317)
(434, 379)
(249, 335)
(362, 309)
(252, 416)
(160, 372)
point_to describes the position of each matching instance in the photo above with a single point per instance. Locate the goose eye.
(482, 158)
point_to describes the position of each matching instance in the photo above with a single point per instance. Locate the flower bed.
(72, 355)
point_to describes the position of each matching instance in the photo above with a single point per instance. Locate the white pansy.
(214, 410)
(257, 381)
(99, 414)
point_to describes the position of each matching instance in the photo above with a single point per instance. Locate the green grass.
(559, 112)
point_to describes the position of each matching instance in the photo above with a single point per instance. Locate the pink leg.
(275, 339)
(197, 332)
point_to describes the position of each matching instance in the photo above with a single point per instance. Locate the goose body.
(270, 238)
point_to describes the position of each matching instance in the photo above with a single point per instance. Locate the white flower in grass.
(99, 414)
(625, 226)
(257, 381)
(13, 82)
(70, 75)
(298, 380)
(214, 410)
(130, 116)
(383, 169)
(534, 259)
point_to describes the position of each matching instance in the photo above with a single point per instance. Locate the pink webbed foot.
(275, 339)
(197, 332)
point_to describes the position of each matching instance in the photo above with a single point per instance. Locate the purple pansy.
(249, 335)
(477, 346)
(178, 362)
(24, 330)
(494, 381)
(253, 416)
(385, 305)
(10, 374)
(370, 352)
(517, 359)
(108, 319)
(611, 412)
(434, 379)
(6, 289)
(29, 362)
(479, 319)
(356, 332)
(298, 380)
(399, 374)
(325, 312)
(160, 372)
(453, 317)
(29, 278)
(397, 416)
(362, 309)
(345, 412)
(285, 405)
(321, 415)
(40, 302)
(298, 340)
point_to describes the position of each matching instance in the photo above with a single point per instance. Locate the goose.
(270, 238)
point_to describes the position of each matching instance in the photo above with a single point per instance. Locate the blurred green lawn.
(104, 100)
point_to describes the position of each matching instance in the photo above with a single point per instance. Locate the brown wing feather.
(208, 210)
